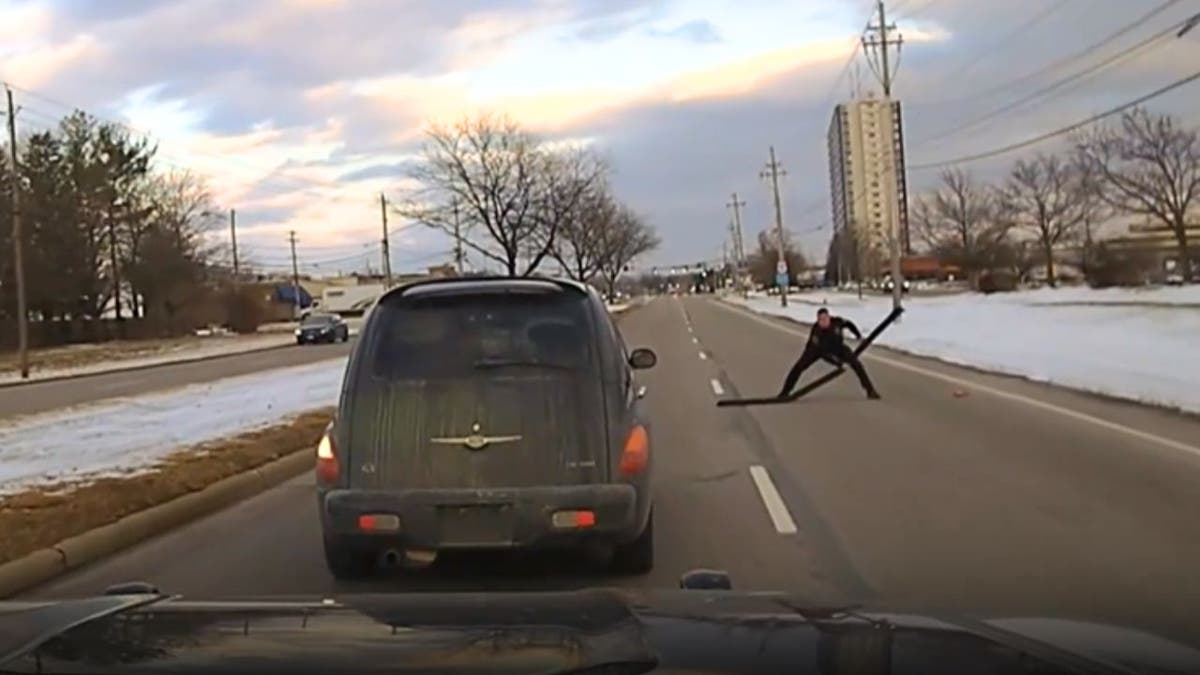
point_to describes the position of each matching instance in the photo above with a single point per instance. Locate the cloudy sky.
(300, 112)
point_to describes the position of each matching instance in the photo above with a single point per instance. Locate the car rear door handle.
(641, 392)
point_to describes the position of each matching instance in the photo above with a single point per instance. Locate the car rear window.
(469, 335)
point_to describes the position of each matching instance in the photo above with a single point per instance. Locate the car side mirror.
(642, 359)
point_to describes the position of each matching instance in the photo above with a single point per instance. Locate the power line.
(1077, 77)
(338, 248)
(1064, 61)
(849, 61)
(992, 50)
(1058, 132)
(132, 129)
(299, 183)
(899, 8)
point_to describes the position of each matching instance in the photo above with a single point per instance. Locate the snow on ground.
(123, 434)
(1155, 295)
(1149, 351)
(210, 347)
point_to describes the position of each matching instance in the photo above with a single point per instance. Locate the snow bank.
(219, 346)
(1147, 351)
(126, 434)
(1169, 295)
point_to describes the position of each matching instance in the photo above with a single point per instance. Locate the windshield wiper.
(636, 667)
(506, 363)
(24, 630)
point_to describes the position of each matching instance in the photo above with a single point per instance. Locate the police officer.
(825, 342)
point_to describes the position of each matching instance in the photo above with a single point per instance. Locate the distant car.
(889, 285)
(486, 414)
(322, 328)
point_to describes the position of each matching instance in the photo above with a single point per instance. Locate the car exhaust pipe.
(390, 558)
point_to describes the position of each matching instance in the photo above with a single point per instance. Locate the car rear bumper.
(445, 519)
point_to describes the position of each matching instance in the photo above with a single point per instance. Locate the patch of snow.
(121, 435)
(219, 346)
(1143, 352)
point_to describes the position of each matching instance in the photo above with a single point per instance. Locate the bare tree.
(763, 261)
(1094, 210)
(573, 181)
(578, 248)
(958, 222)
(1148, 165)
(1047, 198)
(626, 237)
(506, 191)
(167, 250)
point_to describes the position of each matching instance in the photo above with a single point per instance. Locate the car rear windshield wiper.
(505, 363)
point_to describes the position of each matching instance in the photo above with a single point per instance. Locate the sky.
(300, 113)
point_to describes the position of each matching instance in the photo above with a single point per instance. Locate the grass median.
(41, 517)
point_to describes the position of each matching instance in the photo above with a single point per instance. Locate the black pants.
(838, 357)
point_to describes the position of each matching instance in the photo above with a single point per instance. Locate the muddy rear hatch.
(477, 388)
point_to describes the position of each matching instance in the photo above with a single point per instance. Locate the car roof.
(491, 284)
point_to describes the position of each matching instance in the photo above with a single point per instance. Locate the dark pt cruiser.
(490, 413)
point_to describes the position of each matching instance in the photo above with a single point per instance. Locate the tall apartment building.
(867, 182)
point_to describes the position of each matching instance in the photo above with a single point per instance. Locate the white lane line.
(703, 356)
(780, 516)
(999, 393)
(716, 387)
(695, 341)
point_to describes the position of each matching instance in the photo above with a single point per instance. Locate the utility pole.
(739, 244)
(387, 251)
(774, 171)
(18, 259)
(233, 242)
(880, 42)
(458, 246)
(725, 254)
(295, 275)
(116, 270)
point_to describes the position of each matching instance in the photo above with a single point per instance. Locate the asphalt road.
(36, 397)
(1015, 499)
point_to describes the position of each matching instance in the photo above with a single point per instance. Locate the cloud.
(395, 170)
(301, 112)
(698, 31)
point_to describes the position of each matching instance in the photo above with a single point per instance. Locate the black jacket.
(829, 340)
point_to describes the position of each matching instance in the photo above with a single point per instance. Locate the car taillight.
(636, 454)
(327, 459)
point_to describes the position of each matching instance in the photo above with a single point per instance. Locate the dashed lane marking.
(781, 518)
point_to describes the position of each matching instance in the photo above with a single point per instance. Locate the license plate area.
(476, 524)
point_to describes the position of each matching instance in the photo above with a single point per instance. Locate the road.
(1014, 499)
(36, 397)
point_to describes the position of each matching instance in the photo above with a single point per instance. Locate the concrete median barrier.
(43, 565)
(32, 570)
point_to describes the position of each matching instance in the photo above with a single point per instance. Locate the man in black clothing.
(825, 342)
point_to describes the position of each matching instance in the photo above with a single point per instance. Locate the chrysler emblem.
(476, 441)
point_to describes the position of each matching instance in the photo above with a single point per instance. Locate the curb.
(8, 384)
(43, 565)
